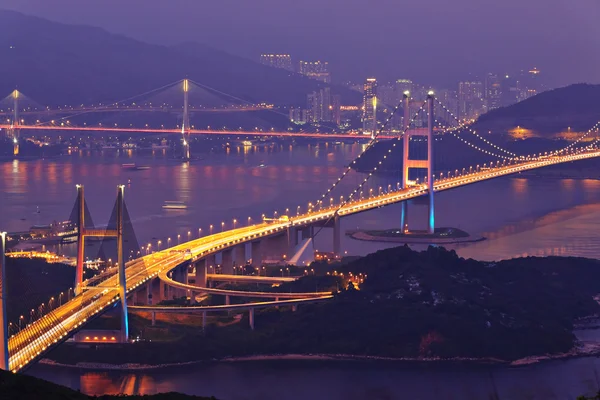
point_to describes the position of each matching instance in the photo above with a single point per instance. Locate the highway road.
(37, 338)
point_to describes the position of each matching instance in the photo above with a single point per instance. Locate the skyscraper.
(318, 70)
(493, 91)
(336, 109)
(319, 105)
(369, 117)
(470, 99)
(283, 61)
(403, 85)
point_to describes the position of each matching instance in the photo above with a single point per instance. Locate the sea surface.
(519, 216)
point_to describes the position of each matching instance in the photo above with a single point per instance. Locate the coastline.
(364, 236)
(582, 349)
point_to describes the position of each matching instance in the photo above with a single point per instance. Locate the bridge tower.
(408, 163)
(405, 149)
(185, 125)
(121, 265)
(15, 123)
(3, 317)
(80, 239)
(83, 232)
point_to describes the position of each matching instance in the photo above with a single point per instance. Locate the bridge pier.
(251, 318)
(255, 249)
(179, 275)
(201, 269)
(307, 233)
(337, 237)
(203, 321)
(227, 262)
(292, 241)
(275, 247)
(3, 317)
(153, 318)
(240, 256)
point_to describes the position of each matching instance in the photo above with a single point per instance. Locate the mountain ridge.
(56, 64)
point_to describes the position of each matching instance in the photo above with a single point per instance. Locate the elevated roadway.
(32, 341)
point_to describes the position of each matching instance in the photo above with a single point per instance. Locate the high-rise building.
(299, 116)
(530, 84)
(319, 105)
(336, 109)
(493, 91)
(386, 94)
(470, 99)
(369, 117)
(283, 61)
(403, 85)
(318, 70)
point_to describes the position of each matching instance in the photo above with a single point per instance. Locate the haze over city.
(293, 200)
(436, 41)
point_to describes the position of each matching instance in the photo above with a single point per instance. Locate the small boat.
(174, 205)
(134, 167)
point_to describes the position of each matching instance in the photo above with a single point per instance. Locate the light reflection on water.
(519, 216)
(333, 380)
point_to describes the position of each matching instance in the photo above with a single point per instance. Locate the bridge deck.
(38, 337)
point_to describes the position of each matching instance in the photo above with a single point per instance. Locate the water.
(333, 380)
(519, 216)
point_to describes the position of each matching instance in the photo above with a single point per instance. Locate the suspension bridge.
(69, 118)
(157, 274)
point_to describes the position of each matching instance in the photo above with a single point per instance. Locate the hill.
(57, 64)
(548, 113)
(411, 304)
(22, 387)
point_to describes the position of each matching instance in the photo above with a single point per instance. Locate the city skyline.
(291, 200)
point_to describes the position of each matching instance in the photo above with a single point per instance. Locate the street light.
(234, 222)
(210, 229)
(249, 220)
(199, 232)
(222, 226)
(178, 238)
(159, 243)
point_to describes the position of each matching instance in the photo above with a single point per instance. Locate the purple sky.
(437, 41)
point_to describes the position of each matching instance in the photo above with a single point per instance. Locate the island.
(396, 304)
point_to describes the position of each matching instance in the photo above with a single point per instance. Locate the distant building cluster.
(318, 70)
(468, 100)
(471, 98)
(283, 61)
(321, 106)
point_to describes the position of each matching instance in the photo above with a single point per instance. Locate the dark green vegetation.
(58, 64)
(549, 112)
(596, 397)
(31, 282)
(22, 387)
(428, 304)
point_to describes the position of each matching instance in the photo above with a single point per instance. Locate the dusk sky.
(437, 41)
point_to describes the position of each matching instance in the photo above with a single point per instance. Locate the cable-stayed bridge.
(154, 275)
